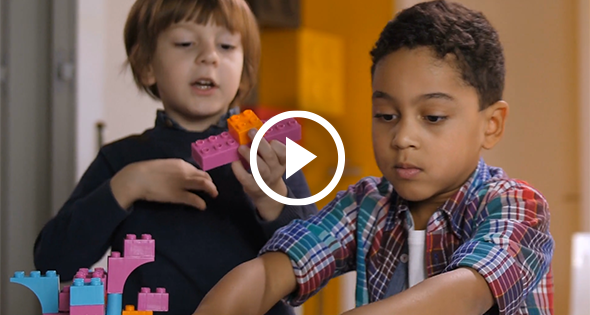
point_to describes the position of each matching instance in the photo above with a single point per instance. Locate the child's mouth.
(204, 84)
(407, 173)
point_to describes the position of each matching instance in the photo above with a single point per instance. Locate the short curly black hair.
(450, 28)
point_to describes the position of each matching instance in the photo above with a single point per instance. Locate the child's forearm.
(461, 292)
(252, 288)
(268, 208)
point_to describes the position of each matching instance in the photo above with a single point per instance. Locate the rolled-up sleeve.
(319, 248)
(511, 246)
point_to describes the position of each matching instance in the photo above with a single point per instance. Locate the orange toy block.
(130, 310)
(240, 124)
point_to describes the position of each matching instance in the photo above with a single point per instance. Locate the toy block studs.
(240, 124)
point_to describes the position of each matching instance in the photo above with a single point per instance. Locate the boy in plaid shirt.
(441, 232)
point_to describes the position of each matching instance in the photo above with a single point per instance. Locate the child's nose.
(405, 136)
(208, 55)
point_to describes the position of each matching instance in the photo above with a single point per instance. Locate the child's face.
(197, 69)
(429, 130)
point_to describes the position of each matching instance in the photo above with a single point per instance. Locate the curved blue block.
(46, 288)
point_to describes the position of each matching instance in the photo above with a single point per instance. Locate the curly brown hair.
(148, 18)
(450, 28)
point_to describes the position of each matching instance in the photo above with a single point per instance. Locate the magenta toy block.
(120, 268)
(143, 248)
(87, 275)
(148, 301)
(215, 151)
(64, 299)
(97, 273)
(288, 128)
(87, 310)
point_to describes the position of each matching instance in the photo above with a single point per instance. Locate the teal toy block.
(45, 287)
(114, 303)
(84, 294)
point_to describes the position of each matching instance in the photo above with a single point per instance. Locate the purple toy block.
(288, 128)
(64, 299)
(119, 269)
(87, 310)
(148, 301)
(143, 248)
(215, 151)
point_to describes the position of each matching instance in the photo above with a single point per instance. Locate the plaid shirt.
(496, 225)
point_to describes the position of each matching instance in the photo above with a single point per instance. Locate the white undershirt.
(416, 248)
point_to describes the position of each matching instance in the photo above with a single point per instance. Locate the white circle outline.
(254, 162)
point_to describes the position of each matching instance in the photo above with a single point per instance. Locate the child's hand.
(163, 180)
(271, 165)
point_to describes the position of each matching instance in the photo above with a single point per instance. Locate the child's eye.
(227, 46)
(184, 44)
(385, 117)
(434, 118)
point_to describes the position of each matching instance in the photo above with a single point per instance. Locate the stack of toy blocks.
(137, 252)
(86, 295)
(87, 298)
(222, 149)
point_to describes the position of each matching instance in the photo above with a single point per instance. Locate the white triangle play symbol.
(297, 157)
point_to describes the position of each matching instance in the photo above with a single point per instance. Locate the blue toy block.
(82, 294)
(114, 304)
(46, 288)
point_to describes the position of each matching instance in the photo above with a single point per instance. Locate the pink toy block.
(143, 248)
(64, 299)
(87, 275)
(137, 252)
(215, 151)
(119, 269)
(97, 273)
(288, 128)
(223, 149)
(148, 301)
(87, 310)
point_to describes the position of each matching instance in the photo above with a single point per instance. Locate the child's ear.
(495, 120)
(148, 78)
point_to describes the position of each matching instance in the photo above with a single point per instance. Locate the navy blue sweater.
(194, 249)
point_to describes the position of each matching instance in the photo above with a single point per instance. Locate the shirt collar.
(162, 119)
(453, 206)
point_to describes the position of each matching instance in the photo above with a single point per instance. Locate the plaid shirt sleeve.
(511, 246)
(320, 248)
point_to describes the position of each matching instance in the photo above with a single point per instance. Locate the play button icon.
(297, 158)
